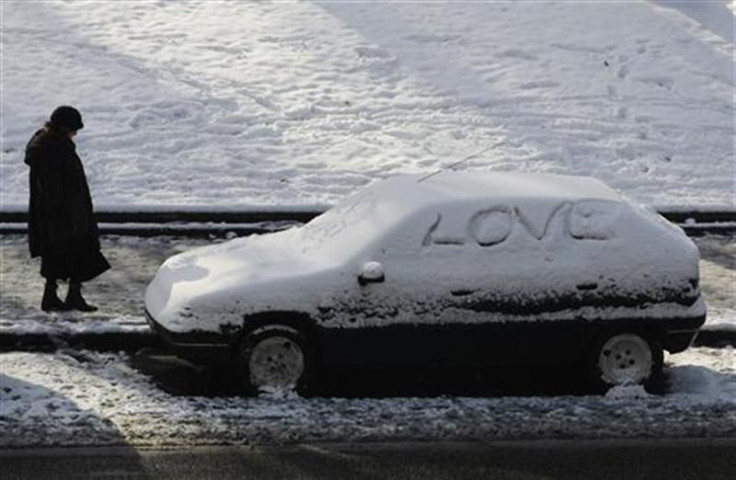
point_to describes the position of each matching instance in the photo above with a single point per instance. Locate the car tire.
(621, 358)
(275, 358)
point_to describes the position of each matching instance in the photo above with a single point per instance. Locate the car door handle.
(461, 293)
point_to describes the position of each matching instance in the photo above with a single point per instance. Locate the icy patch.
(699, 381)
(704, 374)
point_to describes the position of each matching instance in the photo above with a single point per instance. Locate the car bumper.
(205, 348)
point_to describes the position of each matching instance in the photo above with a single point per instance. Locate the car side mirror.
(372, 272)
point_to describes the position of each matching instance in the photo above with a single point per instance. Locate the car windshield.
(352, 226)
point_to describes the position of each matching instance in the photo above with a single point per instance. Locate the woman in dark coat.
(61, 226)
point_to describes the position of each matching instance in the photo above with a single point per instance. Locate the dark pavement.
(696, 459)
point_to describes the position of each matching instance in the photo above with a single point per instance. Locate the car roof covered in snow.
(358, 221)
(503, 186)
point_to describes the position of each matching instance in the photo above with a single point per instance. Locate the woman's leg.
(74, 299)
(51, 301)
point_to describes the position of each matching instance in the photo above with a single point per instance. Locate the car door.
(416, 287)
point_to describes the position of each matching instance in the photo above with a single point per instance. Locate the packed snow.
(561, 232)
(233, 104)
(87, 398)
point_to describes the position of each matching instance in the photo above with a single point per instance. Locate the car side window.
(593, 220)
(421, 235)
(453, 231)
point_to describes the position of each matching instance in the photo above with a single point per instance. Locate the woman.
(61, 226)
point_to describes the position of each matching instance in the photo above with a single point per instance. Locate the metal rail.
(201, 223)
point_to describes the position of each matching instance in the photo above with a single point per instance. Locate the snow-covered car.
(455, 269)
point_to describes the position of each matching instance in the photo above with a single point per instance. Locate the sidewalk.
(120, 323)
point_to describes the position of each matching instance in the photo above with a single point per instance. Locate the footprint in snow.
(372, 52)
(661, 82)
(436, 39)
(517, 53)
(539, 85)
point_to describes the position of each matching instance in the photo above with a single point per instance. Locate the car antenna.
(452, 166)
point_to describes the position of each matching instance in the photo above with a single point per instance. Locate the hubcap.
(276, 362)
(625, 360)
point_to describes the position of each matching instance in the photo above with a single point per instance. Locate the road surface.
(695, 459)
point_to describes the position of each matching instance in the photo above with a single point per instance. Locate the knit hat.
(66, 118)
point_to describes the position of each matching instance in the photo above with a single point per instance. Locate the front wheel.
(624, 358)
(275, 358)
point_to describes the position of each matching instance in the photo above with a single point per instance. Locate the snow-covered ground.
(84, 398)
(234, 104)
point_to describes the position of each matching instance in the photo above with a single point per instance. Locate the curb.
(102, 342)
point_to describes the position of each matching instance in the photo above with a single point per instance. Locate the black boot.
(50, 301)
(74, 300)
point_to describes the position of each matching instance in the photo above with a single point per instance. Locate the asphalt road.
(696, 459)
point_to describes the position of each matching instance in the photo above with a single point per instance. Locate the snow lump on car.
(457, 269)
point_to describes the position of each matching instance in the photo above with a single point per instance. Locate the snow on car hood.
(223, 278)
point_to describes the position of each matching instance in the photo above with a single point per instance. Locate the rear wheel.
(624, 358)
(275, 358)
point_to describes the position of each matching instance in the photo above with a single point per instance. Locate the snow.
(313, 100)
(561, 232)
(87, 398)
(715, 15)
(627, 392)
(389, 207)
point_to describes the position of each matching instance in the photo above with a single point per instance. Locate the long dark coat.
(61, 224)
